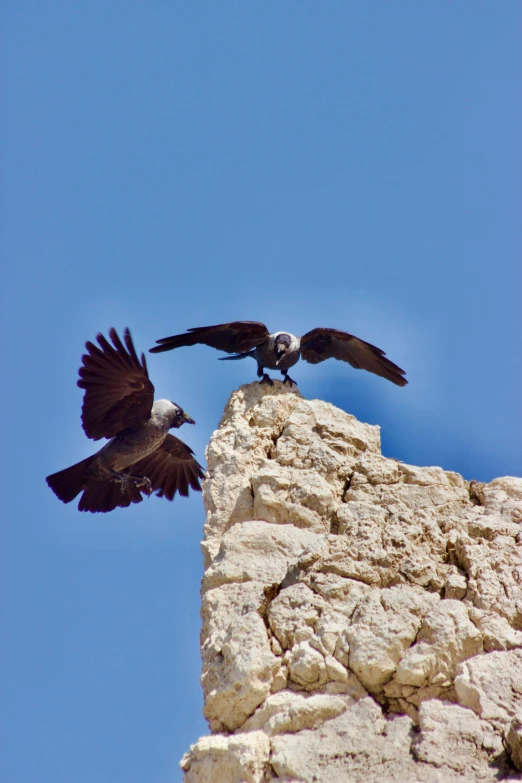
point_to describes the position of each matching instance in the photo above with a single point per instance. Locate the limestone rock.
(362, 618)
(455, 737)
(491, 685)
(514, 742)
(236, 759)
(291, 712)
(243, 677)
(447, 636)
(383, 627)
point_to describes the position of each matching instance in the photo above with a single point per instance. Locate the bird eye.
(179, 413)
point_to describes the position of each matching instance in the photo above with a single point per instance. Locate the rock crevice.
(362, 618)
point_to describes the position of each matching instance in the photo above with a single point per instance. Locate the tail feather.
(68, 483)
(244, 355)
(106, 495)
(100, 492)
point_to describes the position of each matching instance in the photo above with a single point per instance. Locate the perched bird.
(141, 456)
(281, 350)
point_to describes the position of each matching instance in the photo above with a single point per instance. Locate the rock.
(251, 423)
(447, 637)
(293, 614)
(494, 569)
(503, 496)
(453, 736)
(235, 759)
(362, 618)
(456, 584)
(497, 633)
(291, 712)
(257, 551)
(383, 627)
(514, 741)
(491, 685)
(243, 677)
(307, 666)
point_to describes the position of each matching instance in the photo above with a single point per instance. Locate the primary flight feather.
(281, 350)
(141, 456)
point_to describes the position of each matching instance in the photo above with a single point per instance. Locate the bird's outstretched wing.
(235, 337)
(320, 344)
(171, 468)
(118, 392)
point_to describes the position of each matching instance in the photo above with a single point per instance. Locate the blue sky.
(173, 164)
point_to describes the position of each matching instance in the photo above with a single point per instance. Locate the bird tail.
(244, 355)
(100, 491)
(68, 483)
(105, 494)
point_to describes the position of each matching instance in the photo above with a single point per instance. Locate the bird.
(141, 456)
(281, 350)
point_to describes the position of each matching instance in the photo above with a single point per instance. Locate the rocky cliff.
(362, 618)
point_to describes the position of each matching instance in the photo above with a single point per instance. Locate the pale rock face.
(362, 618)
(237, 759)
(446, 637)
(383, 627)
(454, 737)
(290, 712)
(491, 685)
(514, 741)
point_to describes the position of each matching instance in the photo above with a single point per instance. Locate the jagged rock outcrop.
(362, 618)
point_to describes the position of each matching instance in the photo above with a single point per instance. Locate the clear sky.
(171, 164)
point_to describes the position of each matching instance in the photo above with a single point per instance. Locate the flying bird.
(281, 350)
(141, 456)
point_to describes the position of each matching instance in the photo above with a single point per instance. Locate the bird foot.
(143, 483)
(289, 380)
(140, 482)
(266, 379)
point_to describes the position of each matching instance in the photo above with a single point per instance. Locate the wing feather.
(170, 469)
(321, 344)
(118, 392)
(234, 337)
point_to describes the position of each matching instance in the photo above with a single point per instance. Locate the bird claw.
(140, 482)
(266, 379)
(143, 483)
(289, 380)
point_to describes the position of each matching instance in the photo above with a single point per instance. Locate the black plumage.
(141, 456)
(281, 350)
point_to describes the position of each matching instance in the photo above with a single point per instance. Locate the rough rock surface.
(362, 618)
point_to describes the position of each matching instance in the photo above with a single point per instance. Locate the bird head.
(180, 417)
(283, 342)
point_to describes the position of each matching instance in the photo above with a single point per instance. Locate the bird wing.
(320, 344)
(118, 392)
(170, 469)
(235, 337)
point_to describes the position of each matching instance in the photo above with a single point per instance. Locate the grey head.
(180, 417)
(284, 344)
(169, 415)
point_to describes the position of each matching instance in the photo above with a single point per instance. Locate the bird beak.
(280, 355)
(187, 419)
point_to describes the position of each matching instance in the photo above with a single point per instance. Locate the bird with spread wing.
(281, 350)
(141, 456)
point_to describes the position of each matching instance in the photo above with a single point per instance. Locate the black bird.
(141, 456)
(281, 350)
